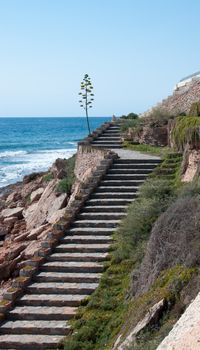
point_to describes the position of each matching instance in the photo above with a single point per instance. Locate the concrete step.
(119, 189)
(99, 202)
(109, 138)
(111, 132)
(35, 327)
(72, 266)
(88, 240)
(138, 161)
(106, 146)
(82, 248)
(67, 277)
(29, 341)
(95, 231)
(107, 141)
(61, 288)
(124, 171)
(102, 216)
(133, 166)
(117, 195)
(42, 313)
(102, 208)
(78, 257)
(125, 177)
(96, 223)
(51, 299)
(121, 182)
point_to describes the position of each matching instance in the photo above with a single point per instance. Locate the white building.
(187, 80)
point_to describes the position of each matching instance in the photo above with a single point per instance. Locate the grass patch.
(65, 184)
(48, 177)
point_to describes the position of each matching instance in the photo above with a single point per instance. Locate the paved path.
(128, 154)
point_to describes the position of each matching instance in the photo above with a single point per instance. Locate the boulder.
(35, 195)
(13, 197)
(56, 216)
(59, 168)
(35, 232)
(16, 212)
(31, 249)
(49, 202)
(10, 220)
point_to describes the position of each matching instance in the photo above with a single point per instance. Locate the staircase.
(73, 270)
(111, 138)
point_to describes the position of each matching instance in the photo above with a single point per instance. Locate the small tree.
(87, 96)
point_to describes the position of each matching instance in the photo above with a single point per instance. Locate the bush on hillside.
(175, 239)
(195, 109)
(65, 184)
(130, 116)
(186, 130)
(158, 117)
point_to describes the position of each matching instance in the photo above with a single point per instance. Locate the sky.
(135, 51)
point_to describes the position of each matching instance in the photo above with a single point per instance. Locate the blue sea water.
(32, 144)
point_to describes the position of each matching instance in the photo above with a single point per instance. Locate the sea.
(30, 144)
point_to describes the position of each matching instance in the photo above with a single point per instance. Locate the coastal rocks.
(56, 216)
(39, 213)
(191, 163)
(151, 135)
(15, 212)
(35, 195)
(59, 168)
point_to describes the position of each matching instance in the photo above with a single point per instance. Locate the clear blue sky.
(134, 50)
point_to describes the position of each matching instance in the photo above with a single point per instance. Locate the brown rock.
(56, 216)
(35, 195)
(36, 232)
(46, 206)
(58, 169)
(11, 220)
(31, 249)
(17, 212)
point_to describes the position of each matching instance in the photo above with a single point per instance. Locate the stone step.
(102, 216)
(96, 223)
(88, 239)
(125, 177)
(82, 248)
(114, 195)
(95, 231)
(134, 166)
(138, 161)
(114, 202)
(51, 299)
(72, 266)
(61, 288)
(119, 189)
(35, 327)
(121, 182)
(109, 138)
(29, 341)
(67, 277)
(42, 313)
(78, 257)
(128, 172)
(111, 132)
(108, 141)
(106, 145)
(102, 208)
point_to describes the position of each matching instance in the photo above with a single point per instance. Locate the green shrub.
(130, 123)
(48, 177)
(130, 116)
(185, 131)
(158, 117)
(65, 185)
(195, 109)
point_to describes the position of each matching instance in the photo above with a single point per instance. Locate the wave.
(10, 154)
(29, 163)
